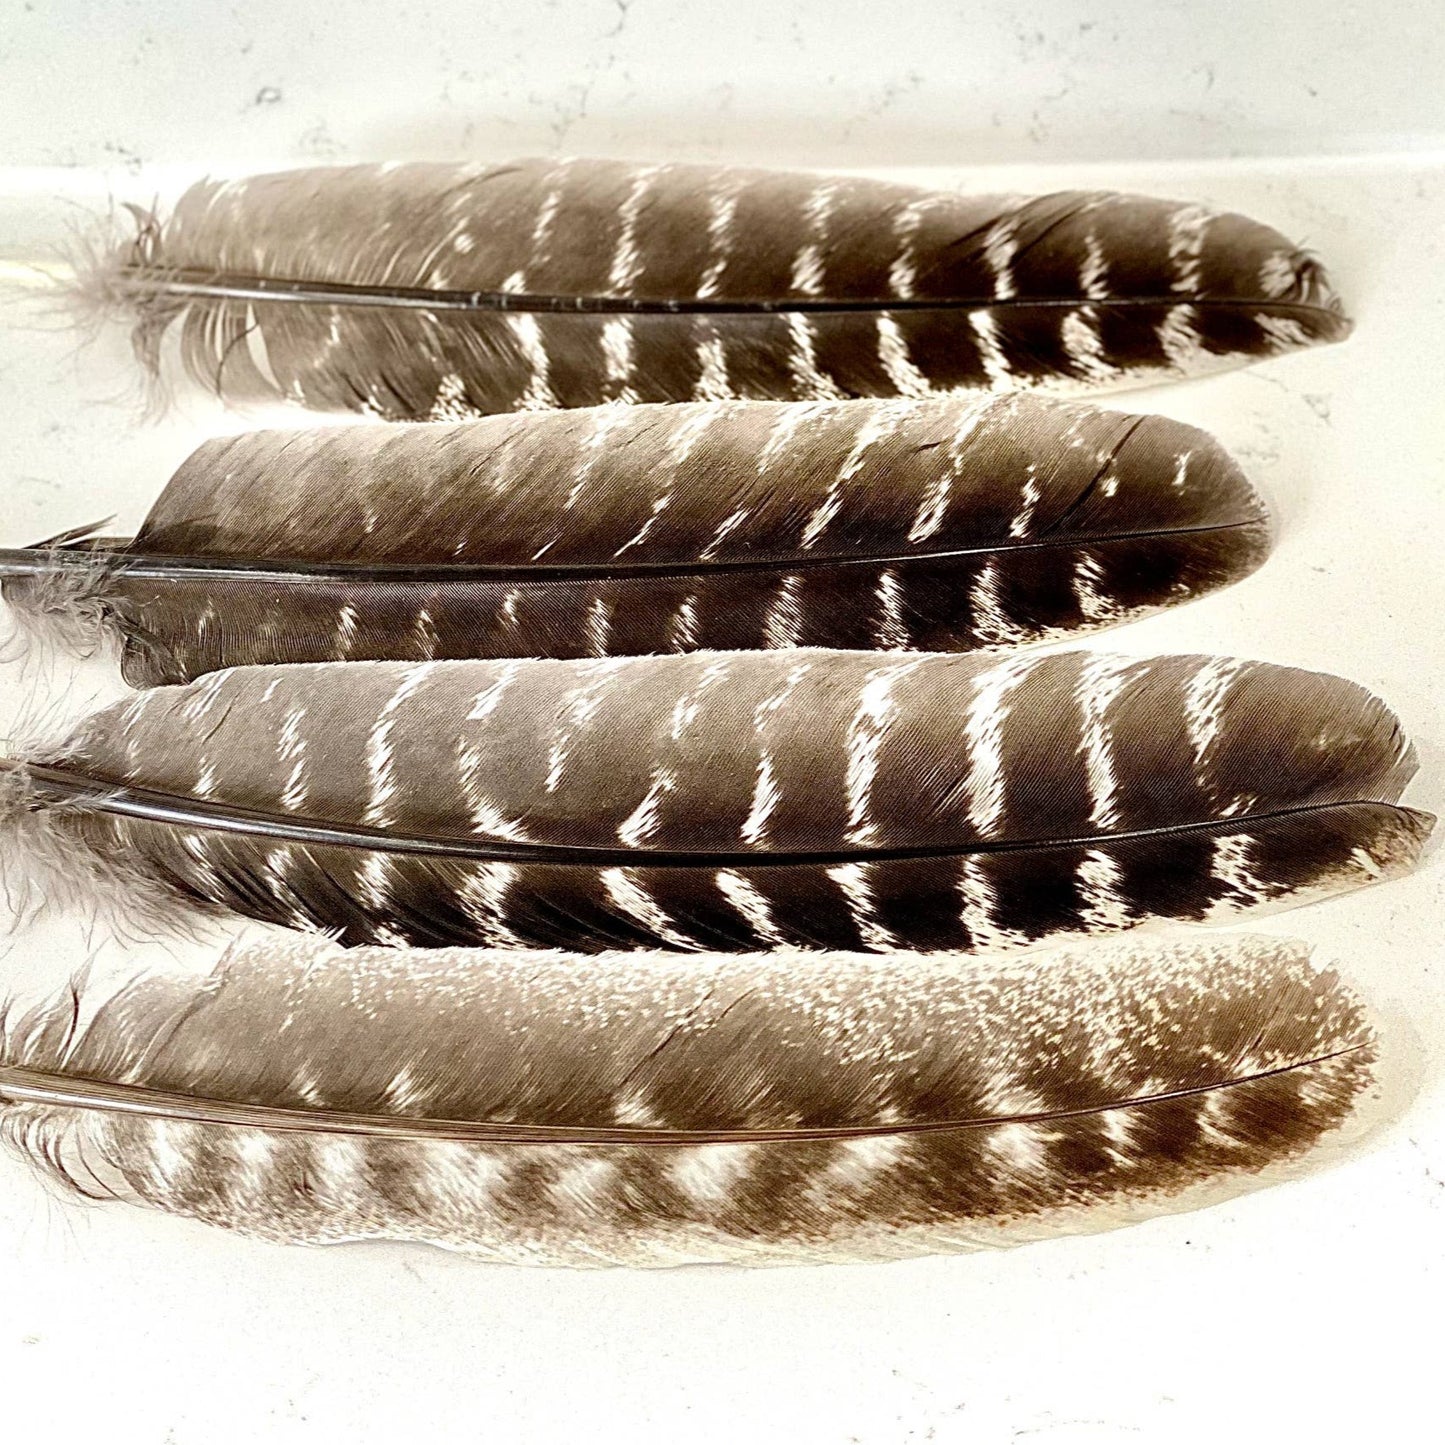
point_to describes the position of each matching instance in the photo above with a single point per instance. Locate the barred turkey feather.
(426, 291)
(728, 801)
(936, 525)
(660, 1110)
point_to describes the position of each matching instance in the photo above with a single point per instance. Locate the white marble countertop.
(1308, 1312)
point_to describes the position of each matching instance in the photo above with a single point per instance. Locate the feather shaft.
(31, 1086)
(58, 786)
(264, 288)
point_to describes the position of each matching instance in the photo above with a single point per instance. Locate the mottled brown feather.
(646, 1109)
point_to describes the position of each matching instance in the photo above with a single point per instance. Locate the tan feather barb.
(730, 801)
(935, 525)
(424, 291)
(648, 1109)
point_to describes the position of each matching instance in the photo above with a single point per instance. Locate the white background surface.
(1310, 1312)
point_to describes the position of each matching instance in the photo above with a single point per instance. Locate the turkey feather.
(661, 1110)
(936, 525)
(426, 291)
(729, 801)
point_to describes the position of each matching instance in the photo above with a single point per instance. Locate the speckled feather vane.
(729, 801)
(424, 291)
(653, 1109)
(938, 525)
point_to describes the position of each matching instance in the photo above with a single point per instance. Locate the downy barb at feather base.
(663, 1110)
(937, 525)
(423, 291)
(729, 801)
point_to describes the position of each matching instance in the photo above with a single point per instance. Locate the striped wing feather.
(433, 291)
(659, 1110)
(935, 525)
(741, 800)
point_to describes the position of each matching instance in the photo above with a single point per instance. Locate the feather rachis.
(645, 1045)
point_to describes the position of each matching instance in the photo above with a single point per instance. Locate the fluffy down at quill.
(435, 291)
(651, 1109)
(729, 801)
(906, 525)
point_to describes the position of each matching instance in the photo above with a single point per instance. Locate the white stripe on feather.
(1188, 226)
(1206, 696)
(685, 711)
(978, 911)
(380, 753)
(808, 379)
(483, 894)
(539, 395)
(988, 620)
(1000, 245)
(983, 727)
(712, 383)
(641, 823)
(1232, 866)
(1094, 269)
(710, 1174)
(897, 363)
(766, 791)
(1084, 346)
(291, 750)
(1284, 332)
(990, 353)
(891, 632)
(783, 625)
(934, 506)
(1101, 681)
(903, 272)
(619, 356)
(598, 629)
(755, 909)
(1105, 906)
(876, 710)
(682, 633)
(881, 422)
(626, 258)
(583, 703)
(807, 277)
(855, 882)
(722, 210)
(1179, 336)
(633, 901)
(1023, 520)
(1090, 590)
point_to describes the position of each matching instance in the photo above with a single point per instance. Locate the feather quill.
(426, 291)
(661, 1110)
(934, 525)
(729, 801)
